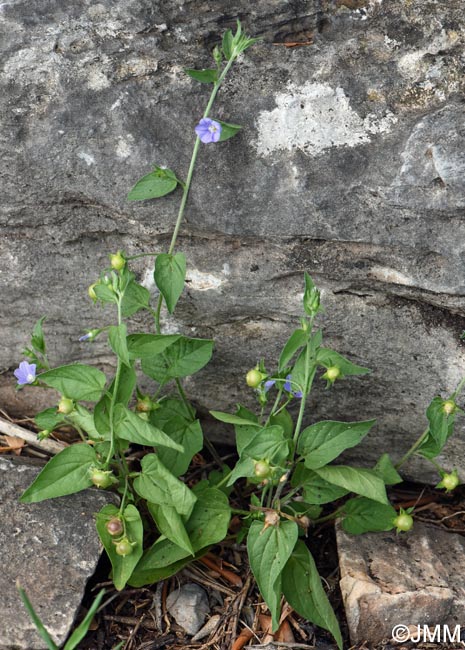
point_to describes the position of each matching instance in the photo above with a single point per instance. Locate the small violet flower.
(287, 386)
(208, 130)
(26, 373)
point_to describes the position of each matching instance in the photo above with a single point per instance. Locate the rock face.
(409, 580)
(350, 166)
(52, 549)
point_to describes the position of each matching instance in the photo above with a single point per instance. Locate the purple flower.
(85, 337)
(288, 387)
(208, 130)
(26, 373)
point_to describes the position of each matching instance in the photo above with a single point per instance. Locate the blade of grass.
(81, 631)
(37, 622)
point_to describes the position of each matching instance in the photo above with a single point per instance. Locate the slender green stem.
(303, 401)
(412, 449)
(275, 405)
(136, 257)
(459, 388)
(187, 185)
(114, 394)
(123, 500)
(333, 515)
(183, 396)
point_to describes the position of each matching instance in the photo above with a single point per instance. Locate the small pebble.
(189, 607)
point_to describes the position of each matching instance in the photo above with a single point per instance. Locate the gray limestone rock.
(189, 606)
(349, 166)
(413, 579)
(51, 548)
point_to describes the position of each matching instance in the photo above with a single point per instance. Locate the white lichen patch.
(88, 158)
(123, 147)
(313, 118)
(200, 281)
(391, 276)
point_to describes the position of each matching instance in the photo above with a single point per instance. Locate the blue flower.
(208, 130)
(287, 386)
(26, 373)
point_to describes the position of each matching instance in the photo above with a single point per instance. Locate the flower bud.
(332, 373)
(123, 547)
(117, 261)
(65, 406)
(91, 292)
(262, 469)
(403, 522)
(254, 378)
(115, 526)
(44, 434)
(102, 478)
(448, 406)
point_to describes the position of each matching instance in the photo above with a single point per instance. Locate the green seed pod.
(332, 373)
(115, 526)
(65, 406)
(449, 406)
(123, 547)
(449, 481)
(102, 478)
(254, 378)
(262, 469)
(403, 522)
(117, 261)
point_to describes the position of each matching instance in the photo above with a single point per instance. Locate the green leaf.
(84, 419)
(129, 426)
(83, 627)
(363, 515)
(77, 381)
(269, 549)
(322, 442)
(315, 489)
(135, 298)
(244, 468)
(268, 443)
(327, 358)
(227, 44)
(233, 419)
(37, 338)
(296, 341)
(228, 130)
(117, 339)
(205, 76)
(49, 419)
(122, 565)
(126, 386)
(304, 592)
(244, 432)
(207, 525)
(51, 645)
(184, 357)
(169, 275)
(153, 185)
(386, 470)
(361, 481)
(156, 484)
(171, 525)
(285, 421)
(189, 436)
(104, 293)
(149, 345)
(66, 473)
(441, 427)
